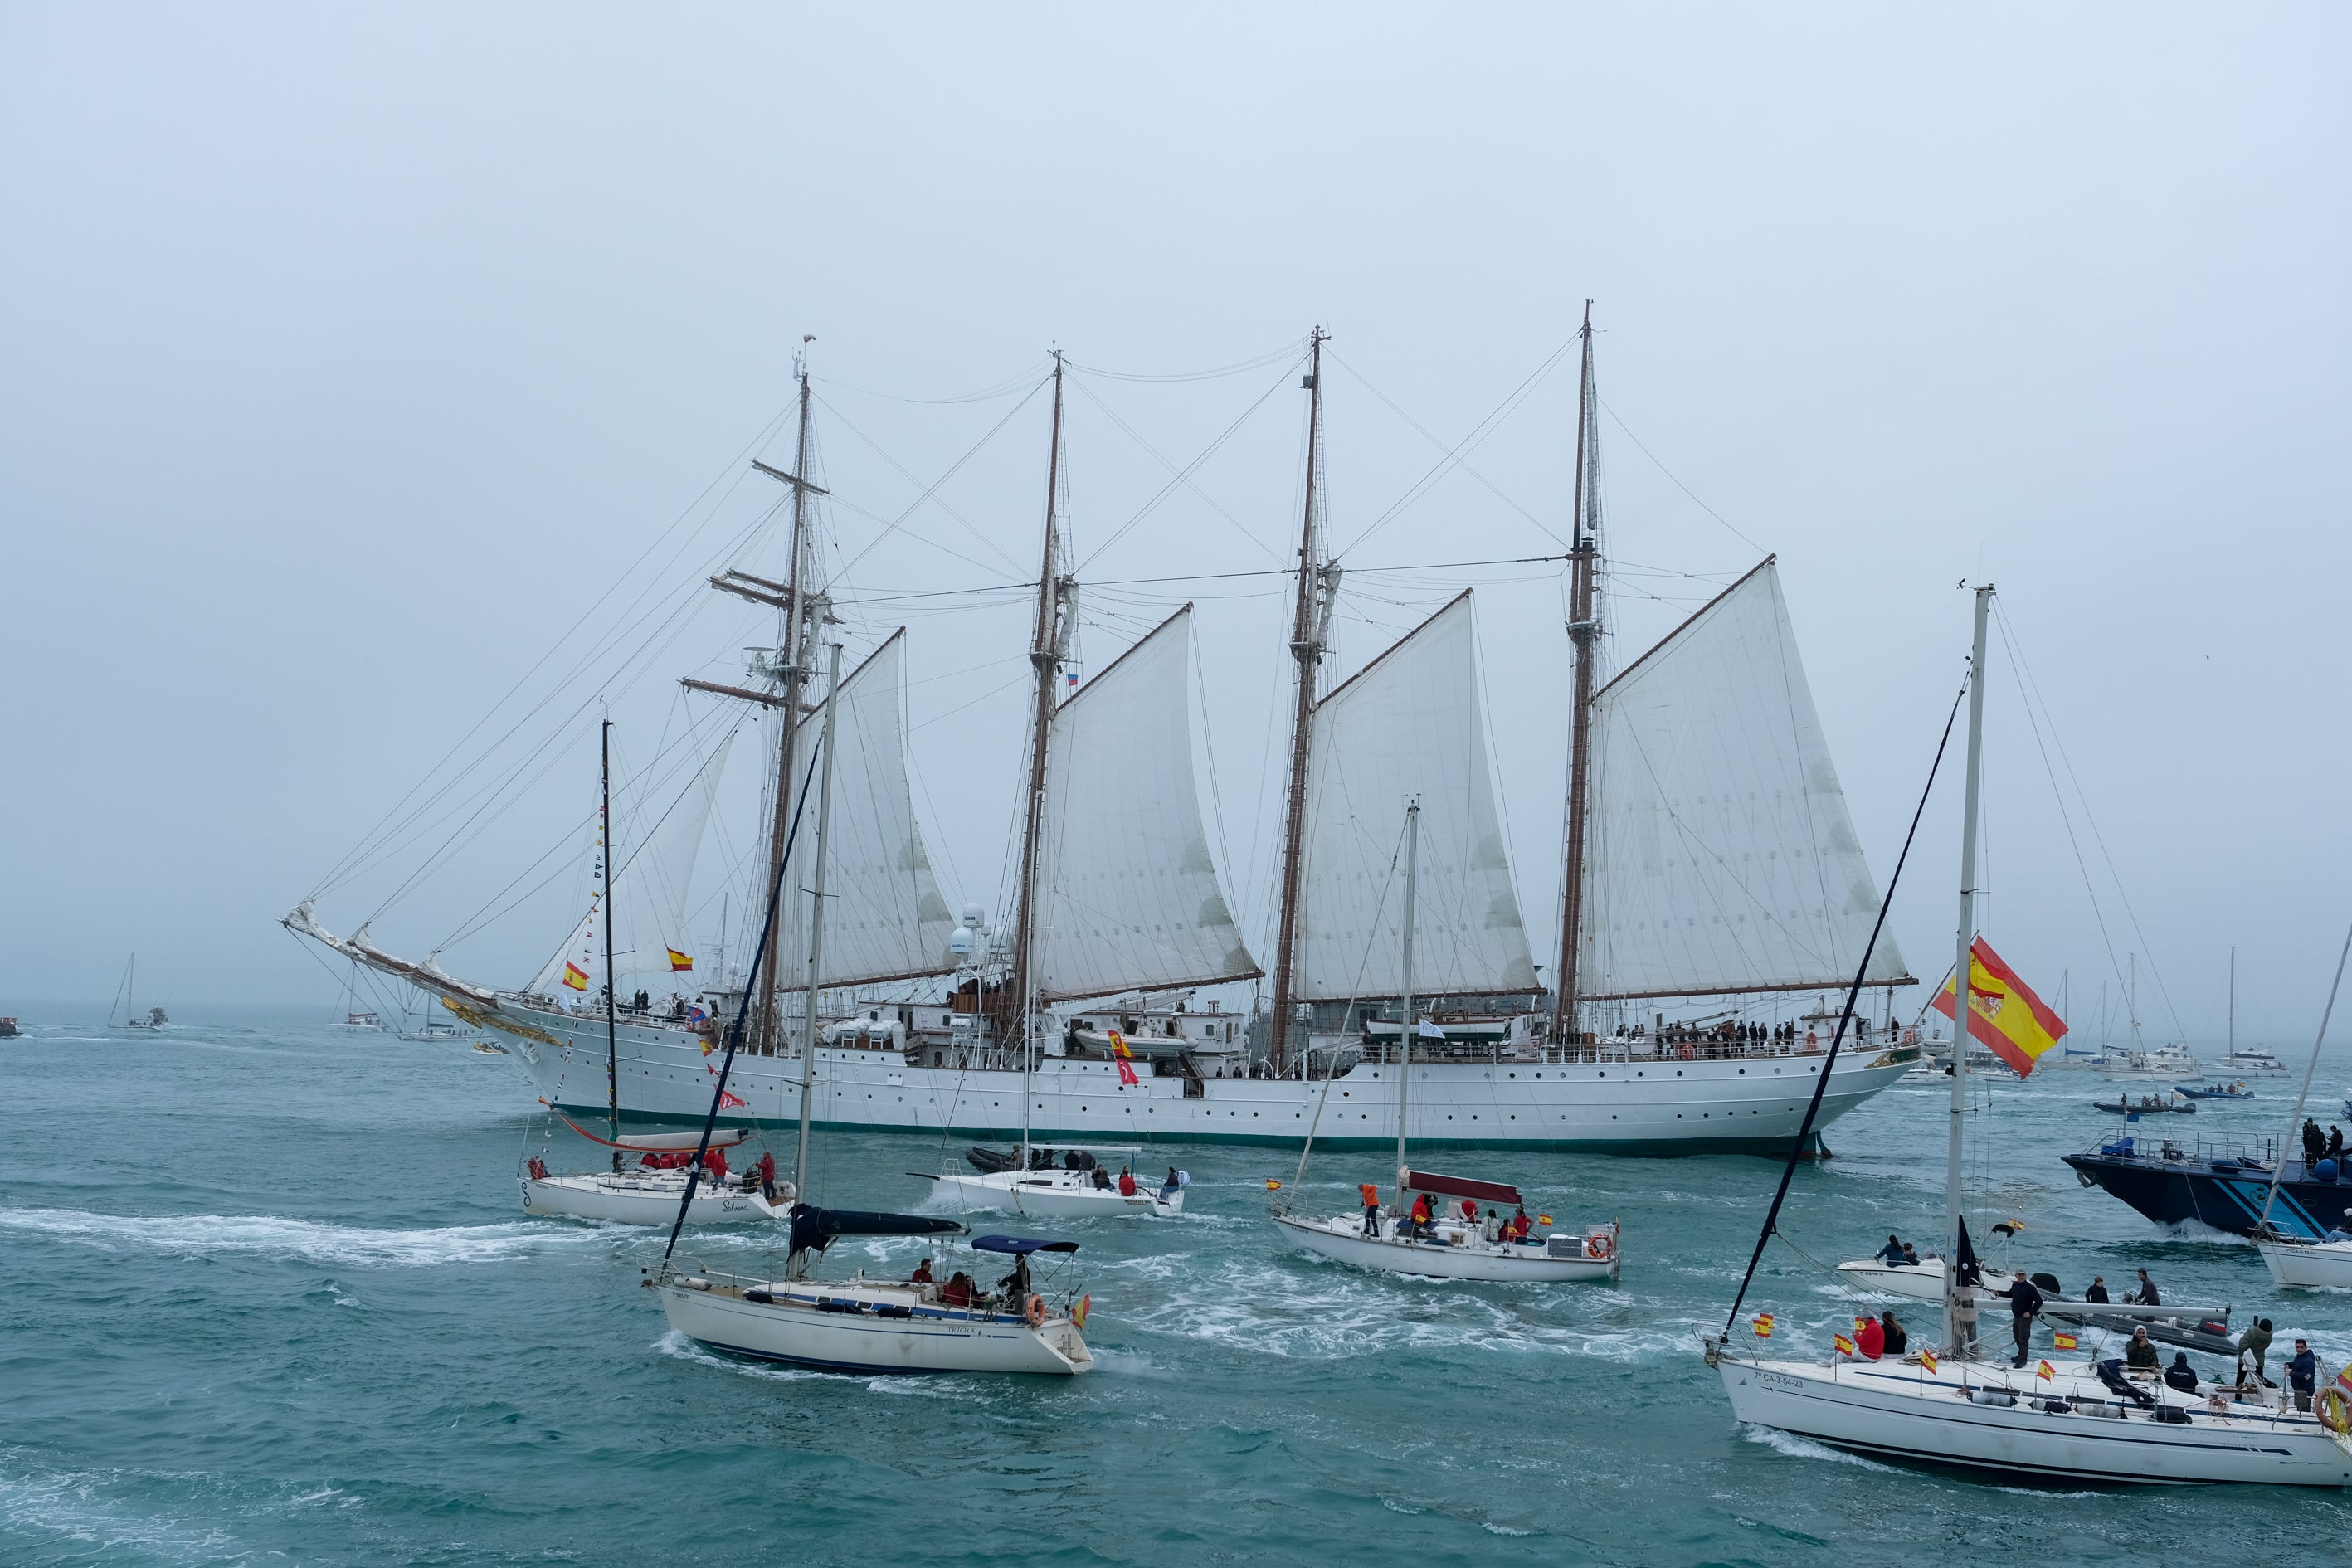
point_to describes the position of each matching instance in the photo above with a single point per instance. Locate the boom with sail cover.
(1408, 725)
(885, 919)
(1721, 858)
(1129, 895)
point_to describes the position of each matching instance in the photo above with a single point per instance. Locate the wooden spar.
(1306, 640)
(612, 992)
(791, 676)
(1583, 631)
(765, 699)
(1045, 656)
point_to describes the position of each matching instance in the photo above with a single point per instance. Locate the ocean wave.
(68, 1507)
(1798, 1447)
(271, 1235)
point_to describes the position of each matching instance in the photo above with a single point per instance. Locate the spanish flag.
(2003, 1012)
(1078, 1313)
(1841, 1344)
(1543, 1219)
(678, 962)
(575, 976)
(1928, 1359)
(1126, 1057)
(2045, 1371)
(2064, 1342)
(1763, 1325)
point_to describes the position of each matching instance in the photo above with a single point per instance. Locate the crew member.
(2181, 1374)
(1371, 1197)
(2141, 1352)
(2024, 1301)
(922, 1274)
(2302, 1375)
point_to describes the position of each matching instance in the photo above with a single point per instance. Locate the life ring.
(2335, 1409)
(1598, 1245)
(1035, 1311)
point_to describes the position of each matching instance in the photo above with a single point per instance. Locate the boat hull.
(1751, 1105)
(2322, 1266)
(1903, 1414)
(624, 1202)
(799, 1334)
(2172, 1191)
(1388, 1255)
(1041, 1194)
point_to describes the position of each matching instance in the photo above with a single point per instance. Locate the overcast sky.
(350, 358)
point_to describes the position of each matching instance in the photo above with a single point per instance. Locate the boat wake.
(1798, 1447)
(268, 1235)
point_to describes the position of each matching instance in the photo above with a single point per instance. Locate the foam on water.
(269, 1235)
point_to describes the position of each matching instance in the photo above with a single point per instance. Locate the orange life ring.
(1035, 1311)
(1598, 1245)
(2334, 1409)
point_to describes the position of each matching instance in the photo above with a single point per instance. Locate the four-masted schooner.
(1708, 852)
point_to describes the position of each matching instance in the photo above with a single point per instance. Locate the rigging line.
(953, 469)
(1440, 445)
(734, 467)
(1004, 388)
(2010, 640)
(1188, 484)
(1837, 1039)
(1267, 358)
(1670, 474)
(910, 477)
(1456, 455)
(1182, 475)
(900, 525)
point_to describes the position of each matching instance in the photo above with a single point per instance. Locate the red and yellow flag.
(1842, 1345)
(1928, 1359)
(1119, 1046)
(2004, 1014)
(1763, 1325)
(679, 963)
(2045, 1371)
(575, 976)
(2064, 1341)
(1078, 1313)
(1543, 1219)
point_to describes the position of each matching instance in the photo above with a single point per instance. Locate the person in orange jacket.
(1371, 1197)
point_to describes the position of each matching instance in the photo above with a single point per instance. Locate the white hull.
(1341, 1238)
(1924, 1281)
(1052, 1194)
(637, 1200)
(1662, 1106)
(1896, 1412)
(888, 1330)
(1920, 1282)
(2320, 1266)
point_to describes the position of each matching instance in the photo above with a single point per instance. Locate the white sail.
(884, 917)
(1128, 893)
(650, 884)
(1408, 725)
(1719, 855)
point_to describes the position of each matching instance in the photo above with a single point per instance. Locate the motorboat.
(2146, 1105)
(1081, 1188)
(363, 1021)
(2309, 1265)
(2236, 1090)
(2191, 1327)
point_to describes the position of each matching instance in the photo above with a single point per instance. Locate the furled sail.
(1129, 894)
(1408, 725)
(1720, 857)
(884, 917)
(650, 884)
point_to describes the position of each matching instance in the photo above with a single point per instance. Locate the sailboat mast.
(1407, 1029)
(1582, 631)
(612, 995)
(1045, 649)
(816, 932)
(1309, 633)
(792, 678)
(1963, 990)
(2233, 1005)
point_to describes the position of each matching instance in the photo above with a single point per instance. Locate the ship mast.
(1583, 630)
(1049, 646)
(1310, 635)
(612, 995)
(790, 677)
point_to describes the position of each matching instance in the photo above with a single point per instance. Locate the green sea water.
(267, 1295)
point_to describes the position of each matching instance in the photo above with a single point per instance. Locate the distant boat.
(2146, 1105)
(2213, 1090)
(362, 1019)
(8, 1030)
(124, 995)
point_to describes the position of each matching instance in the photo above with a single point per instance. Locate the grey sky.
(349, 357)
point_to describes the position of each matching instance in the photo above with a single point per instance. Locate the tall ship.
(1710, 868)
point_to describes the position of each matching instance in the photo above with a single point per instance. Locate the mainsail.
(1720, 856)
(1408, 726)
(884, 918)
(649, 894)
(1129, 895)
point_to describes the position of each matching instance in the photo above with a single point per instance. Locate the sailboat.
(857, 1324)
(1455, 1247)
(2071, 1421)
(2322, 1261)
(126, 999)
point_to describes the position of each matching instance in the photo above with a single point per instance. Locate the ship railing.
(2170, 1147)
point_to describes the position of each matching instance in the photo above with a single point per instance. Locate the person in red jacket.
(1469, 1213)
(1420, 1216)
(1126, 1183)
(768, 1179)
(1870, 1338)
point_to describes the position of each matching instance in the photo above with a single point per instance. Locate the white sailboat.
(2325, 1264)
(2071, 1421)
(1410, 1241)
(651, 1192)
(126, 1002)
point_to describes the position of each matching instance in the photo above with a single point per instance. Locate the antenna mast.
(1583, 630)
(1311, 636)
(1048, 648)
